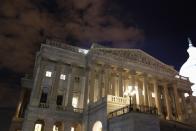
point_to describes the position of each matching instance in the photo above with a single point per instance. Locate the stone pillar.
(167, 102)
(184, 105)
(138, 93)
(70, 89)
(113, 83)
(107, 81)
(37, 88)
(65, 94)
(86, 90)
(100, 75)
(116, 78)
(92, 85)
(48, 125)
(81, 99)
(67, 126)
(157, 97)
(54, 88)
(149, 96)
(133, 83)
(121, 82)
(178, 108)
(145, 86)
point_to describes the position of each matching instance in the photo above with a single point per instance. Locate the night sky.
(159, 27)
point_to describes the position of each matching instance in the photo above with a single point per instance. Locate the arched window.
(39, 125)
(97, 126)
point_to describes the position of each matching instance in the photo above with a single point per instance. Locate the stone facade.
(73, 89)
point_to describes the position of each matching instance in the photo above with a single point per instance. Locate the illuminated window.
(75, 102)
(97, 126)
(38, 127)
(63, 77)
(72, 129)
(48, 73)
(55, 128)
(153, 95)
(186, 94)
(83, 51)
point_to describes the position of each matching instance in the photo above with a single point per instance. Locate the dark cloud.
(24, 23)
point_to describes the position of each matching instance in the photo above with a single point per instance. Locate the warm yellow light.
(153, 95)
(97, 126)
(48, 73)
(186, 94)
(130, 91)
(75, 102)
(55, 128)
(72, 128)
(38, 127)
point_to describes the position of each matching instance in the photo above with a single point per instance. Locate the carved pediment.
(136, 56)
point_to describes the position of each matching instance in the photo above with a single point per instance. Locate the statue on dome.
(188, 69)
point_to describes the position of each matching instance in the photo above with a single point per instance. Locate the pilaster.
(167, 102)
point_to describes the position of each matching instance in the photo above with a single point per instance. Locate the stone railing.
(62, 45)
(62, 108)
(44, 105)
(133, 108)
(182, 77)
(117, 100)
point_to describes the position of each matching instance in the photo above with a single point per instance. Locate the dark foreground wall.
(6, 114)
(134, 122)
(174, 126)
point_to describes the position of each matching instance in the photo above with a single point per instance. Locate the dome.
(188, 69)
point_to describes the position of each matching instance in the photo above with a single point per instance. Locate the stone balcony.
(117, 100)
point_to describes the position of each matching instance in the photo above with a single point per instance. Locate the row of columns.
(116, 88)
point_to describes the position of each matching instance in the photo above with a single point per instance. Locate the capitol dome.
(188, 69)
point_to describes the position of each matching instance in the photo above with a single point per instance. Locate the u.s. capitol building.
(100, 89)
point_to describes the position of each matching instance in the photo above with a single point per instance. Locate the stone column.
(37, 88)
(100, 75)
(138, 92)
(133, 83)
(157, 97)
(67, 126)
(113, 83)
(184, 104)
(70, 89)
(116, 78)
(178, 108)
(86, 90)
(167, 102)
(121, 82)
(81, 99)
(48, 125)
(145, 86)
(149, 96)
(107, 81)
(65, 94)
(92, 85)
(54, 88)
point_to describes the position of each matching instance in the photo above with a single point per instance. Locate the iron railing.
(43, 105)
(133, 108)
